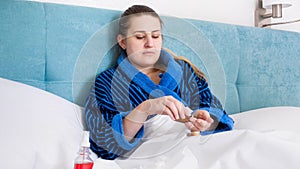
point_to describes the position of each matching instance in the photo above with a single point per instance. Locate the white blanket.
(263, 138)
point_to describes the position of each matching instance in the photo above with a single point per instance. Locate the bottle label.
(84, 166)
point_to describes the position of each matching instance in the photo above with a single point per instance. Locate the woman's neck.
(153, 74)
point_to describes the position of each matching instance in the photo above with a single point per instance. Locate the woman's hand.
(166, 105)
(200, 121)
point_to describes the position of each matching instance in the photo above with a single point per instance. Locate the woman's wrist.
(139, 114)
(133, 122)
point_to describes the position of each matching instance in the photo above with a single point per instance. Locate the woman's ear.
(121, 41)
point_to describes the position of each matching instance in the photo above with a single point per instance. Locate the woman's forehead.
(144, 23)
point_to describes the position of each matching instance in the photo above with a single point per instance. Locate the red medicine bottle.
(83, 160)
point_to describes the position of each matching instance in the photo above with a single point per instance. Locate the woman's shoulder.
(106, 74)
(184, 64)
(190, 69)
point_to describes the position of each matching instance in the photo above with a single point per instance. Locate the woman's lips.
(149, 53)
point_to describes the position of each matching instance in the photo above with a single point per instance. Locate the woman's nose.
(149, 41)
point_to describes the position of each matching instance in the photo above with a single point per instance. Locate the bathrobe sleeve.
(104, 121)
(200, 97)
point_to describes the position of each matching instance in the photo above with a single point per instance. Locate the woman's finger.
(172, 107)
(179, 106)
(201, 124)
(203, 114)
(187, 112)
(190, 126)
(167, 111)
(181, 110)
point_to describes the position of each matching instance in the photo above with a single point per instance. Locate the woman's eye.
(155, 36)
(140, 37)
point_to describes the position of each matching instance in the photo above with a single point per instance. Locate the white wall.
(239, 12)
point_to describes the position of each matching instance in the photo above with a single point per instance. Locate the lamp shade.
(268, 3)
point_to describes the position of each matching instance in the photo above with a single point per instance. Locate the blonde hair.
(197, 71)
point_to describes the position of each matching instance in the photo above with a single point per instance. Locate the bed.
(45, 132)
(50, 54)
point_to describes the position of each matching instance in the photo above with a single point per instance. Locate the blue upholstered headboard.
(61, 48)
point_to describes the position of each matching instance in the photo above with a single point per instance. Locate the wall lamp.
(268, 9)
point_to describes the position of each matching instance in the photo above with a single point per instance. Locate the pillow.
(38, 129)
(269, 119)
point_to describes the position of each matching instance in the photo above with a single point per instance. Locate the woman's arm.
(204, 102)
(104, 121)
(222, 122)
(134, 121)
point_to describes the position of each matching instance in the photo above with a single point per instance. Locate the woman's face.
(143, 42)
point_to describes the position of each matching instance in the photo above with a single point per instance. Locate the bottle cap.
(85, 139)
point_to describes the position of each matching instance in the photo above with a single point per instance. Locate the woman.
(147, 81)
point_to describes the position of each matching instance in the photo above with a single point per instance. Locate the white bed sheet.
(41, 130)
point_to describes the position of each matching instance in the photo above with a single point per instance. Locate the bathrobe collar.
(169, 81)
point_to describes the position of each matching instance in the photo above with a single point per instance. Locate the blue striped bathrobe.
(121, 88)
